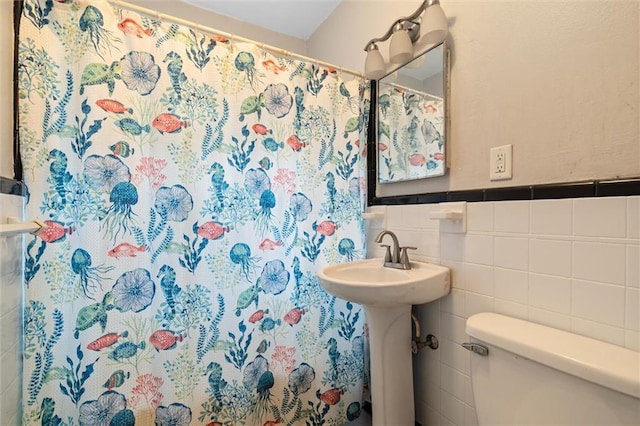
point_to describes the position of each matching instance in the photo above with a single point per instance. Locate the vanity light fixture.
(416, 30)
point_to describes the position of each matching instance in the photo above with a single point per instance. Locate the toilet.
(529, 374)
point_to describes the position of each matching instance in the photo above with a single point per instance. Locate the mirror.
(411, 120)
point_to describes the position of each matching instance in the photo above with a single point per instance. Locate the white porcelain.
(473, 278)
(478, 249)
(476, 303)
(511, 285)
(511, 253)
(600, 262)
(552, 257)
(598, 331)
(600, 217)
(633, 217)
(387, 295)
(632, 310)
(552, 217)
(369, 283)
(480, 217)
(550, 293)
(633, 266)
(602, 379)
(512, 216)
(587, 302)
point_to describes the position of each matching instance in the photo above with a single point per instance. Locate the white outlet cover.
(495, 154)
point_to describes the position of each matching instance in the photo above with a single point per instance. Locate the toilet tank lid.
(599, 362)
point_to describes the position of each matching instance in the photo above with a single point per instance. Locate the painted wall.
(557, 79)
(572, 264)
(206, 18)
(10, 314)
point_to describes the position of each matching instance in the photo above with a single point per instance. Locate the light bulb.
(434, 25)
(374, 67)
(400, 48)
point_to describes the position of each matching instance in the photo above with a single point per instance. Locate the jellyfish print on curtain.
(191, 188)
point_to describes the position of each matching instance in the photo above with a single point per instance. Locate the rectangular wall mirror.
(411, 120)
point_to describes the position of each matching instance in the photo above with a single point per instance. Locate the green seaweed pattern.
(211, 179)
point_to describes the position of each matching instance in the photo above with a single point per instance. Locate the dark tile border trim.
(596, 188)
(12, 187)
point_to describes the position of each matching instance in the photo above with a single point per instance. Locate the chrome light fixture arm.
(371, 44)
(410, 23)
(427, 25)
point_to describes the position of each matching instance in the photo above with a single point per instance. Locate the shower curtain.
(410, 134)
(191, 186)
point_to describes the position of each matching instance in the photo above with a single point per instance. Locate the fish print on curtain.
(191, 187)
(410, 134)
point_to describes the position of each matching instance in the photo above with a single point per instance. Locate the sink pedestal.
(387, 295)
(391, 365)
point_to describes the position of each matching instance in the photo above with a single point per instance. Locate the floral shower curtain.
(410, 134)
(191, 187)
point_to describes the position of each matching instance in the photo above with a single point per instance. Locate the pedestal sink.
(387, 295)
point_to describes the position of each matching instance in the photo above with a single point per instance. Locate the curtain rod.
(409, 89)
(213, 31)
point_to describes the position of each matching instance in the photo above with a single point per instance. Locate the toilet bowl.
(529, 374)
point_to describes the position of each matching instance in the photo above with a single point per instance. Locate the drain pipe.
(431, 340)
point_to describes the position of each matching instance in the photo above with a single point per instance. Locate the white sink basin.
(387, 295)
(368, 282)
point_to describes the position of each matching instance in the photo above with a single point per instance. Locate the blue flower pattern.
(274, 277)
(174, 203)
(179, 277)
(133, 291)
(101, 411)
(105, 172)
(174, 415)
(300, 206)
(139, 72)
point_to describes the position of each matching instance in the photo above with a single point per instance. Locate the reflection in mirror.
(411, 119)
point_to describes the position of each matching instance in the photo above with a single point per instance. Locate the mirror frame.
(372, 143)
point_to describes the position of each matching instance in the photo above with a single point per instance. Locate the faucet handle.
(387, 255)
(404, 255)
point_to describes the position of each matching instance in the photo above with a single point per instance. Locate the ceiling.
(296, 18)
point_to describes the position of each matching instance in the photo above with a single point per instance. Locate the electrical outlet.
(500, 162)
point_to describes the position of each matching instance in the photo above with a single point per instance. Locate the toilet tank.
(537, 375)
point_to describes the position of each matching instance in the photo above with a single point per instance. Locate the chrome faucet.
(400, 257)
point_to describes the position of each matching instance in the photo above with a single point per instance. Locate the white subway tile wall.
(633, 212)
(552, 217)
(600, 217)
(573, 264)
(10, 313)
